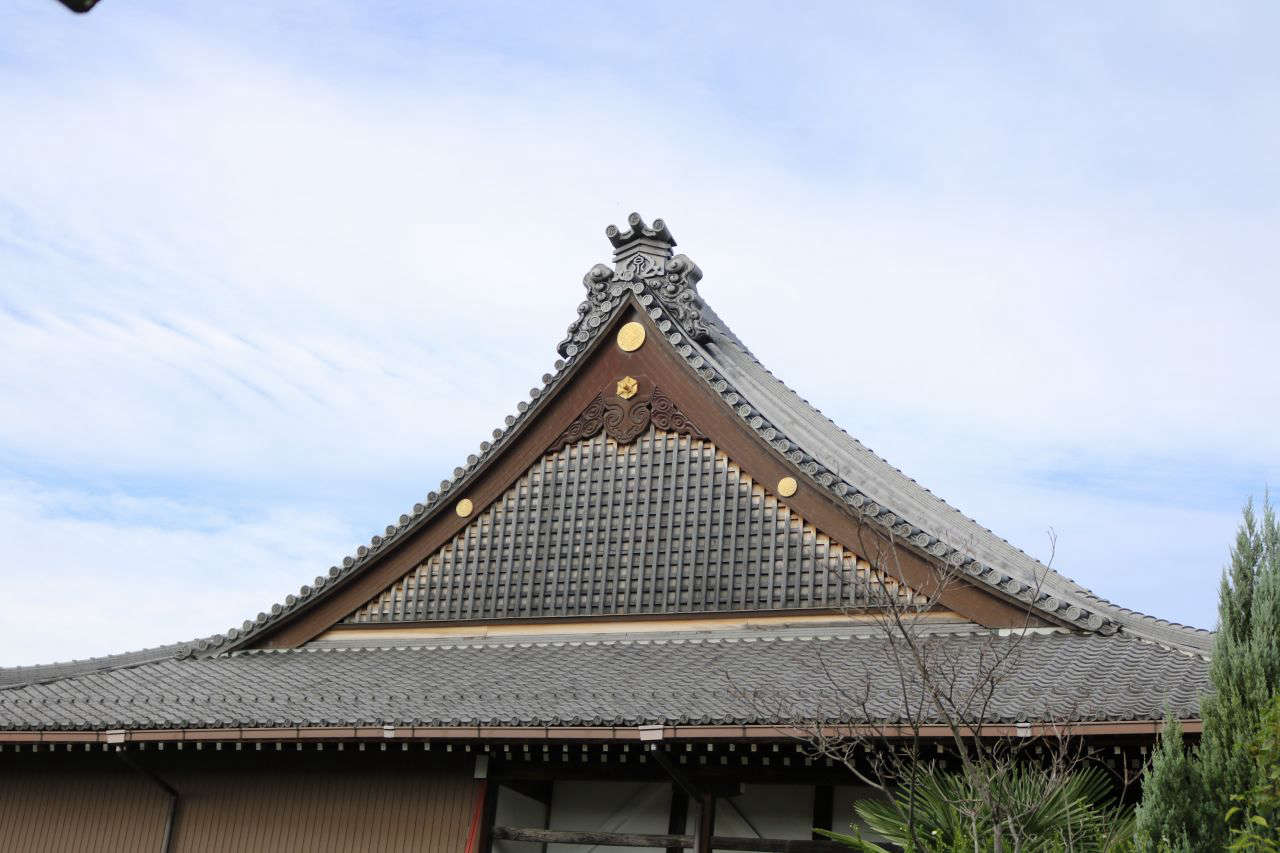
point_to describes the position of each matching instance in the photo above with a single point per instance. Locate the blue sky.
(268, 272)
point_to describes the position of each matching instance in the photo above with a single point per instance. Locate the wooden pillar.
(822, 808)
(679, 815)
(706, 825)
(484, 836)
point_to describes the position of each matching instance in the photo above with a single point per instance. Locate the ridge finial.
(653, 243)
(644, 266)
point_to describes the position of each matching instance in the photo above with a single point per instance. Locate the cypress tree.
(1172, 811)
(1244, 675)
(1245, 669)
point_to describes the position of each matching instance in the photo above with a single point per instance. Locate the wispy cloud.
(97, 572)
(300, 261)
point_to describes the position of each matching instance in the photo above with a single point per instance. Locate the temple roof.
(674, 678)
(647, 276)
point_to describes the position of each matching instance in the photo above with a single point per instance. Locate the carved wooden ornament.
(623, 420)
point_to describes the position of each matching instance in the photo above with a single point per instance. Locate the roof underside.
(764, 676)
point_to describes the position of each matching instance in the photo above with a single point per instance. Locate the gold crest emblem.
(630, 336)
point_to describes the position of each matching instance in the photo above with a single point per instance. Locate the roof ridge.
(12, 676)
(864, 631)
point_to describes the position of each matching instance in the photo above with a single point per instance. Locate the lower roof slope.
(755, 676)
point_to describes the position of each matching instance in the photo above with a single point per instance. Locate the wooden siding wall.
(48, 811)
(427, 811)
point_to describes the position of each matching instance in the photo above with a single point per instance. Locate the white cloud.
(219, 271)
(90, 574)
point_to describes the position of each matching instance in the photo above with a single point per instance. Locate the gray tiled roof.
(666, 524)
(677, 678)
(12, 675)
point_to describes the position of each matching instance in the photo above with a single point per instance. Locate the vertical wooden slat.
(486, 565)
(537, 510)
(681, 484)
(644, 486)
(502, 578)
(786, 557)
(603, 563)
(561, 465)
(578, 496)
(659, 588)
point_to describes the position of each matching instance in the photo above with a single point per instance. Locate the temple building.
(613, 626)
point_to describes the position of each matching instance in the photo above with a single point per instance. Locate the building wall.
(761, 811)
(516, 809)
(50, 810)
(764, 811)
(640, 807)
(108, 809)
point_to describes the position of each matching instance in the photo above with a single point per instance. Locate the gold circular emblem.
(464, 507)
(627, 387)
(630, 337)
(787, 486)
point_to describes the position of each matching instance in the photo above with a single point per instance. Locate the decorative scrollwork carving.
(624, 420)
(666, 416)
(677, 290)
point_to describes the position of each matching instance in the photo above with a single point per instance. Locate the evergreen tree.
(1255, 818)
(1245, 669)
(1172, 811)
(1244, 675)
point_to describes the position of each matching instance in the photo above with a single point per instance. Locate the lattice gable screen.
(664, 524)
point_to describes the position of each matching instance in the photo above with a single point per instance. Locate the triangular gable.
(632, 511)
(670, 398)
(740, 411)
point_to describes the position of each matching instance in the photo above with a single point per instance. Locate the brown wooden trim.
(656, 363)
(578, 733)
(677, 816)
(704, 840)
(488, 811)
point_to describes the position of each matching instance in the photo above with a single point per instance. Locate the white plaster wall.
(761, 811)
(766, 811)
(515, 809)
(843, 818)
(609, 807)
